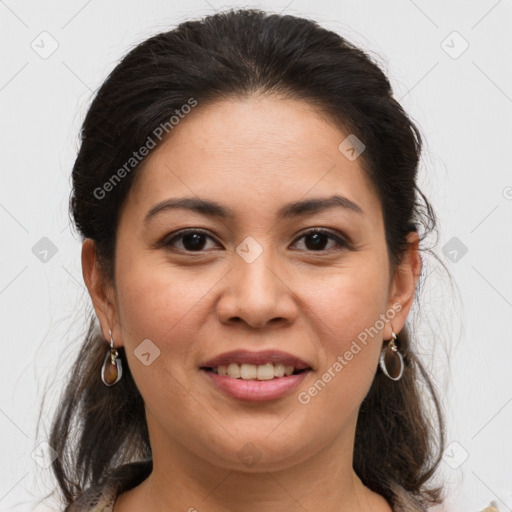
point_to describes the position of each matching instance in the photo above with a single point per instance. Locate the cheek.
(347, 302)
(157, 302)
(163, 307)
(348, 312)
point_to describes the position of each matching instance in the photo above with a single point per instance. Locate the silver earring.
(391, 361)
(112, 369)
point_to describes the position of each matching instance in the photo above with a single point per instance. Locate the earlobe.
(100, 290)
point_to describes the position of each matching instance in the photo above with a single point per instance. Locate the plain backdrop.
(450, 66)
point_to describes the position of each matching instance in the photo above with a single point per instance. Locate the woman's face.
(253, 280)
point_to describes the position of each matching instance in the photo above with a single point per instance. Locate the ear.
(100, 290)
(403, 286)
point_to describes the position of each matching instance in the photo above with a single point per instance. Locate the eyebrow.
(214, 209)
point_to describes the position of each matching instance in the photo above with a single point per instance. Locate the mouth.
(262, 365)
(256, 376)
(262, 372)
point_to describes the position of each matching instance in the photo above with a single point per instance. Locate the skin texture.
(252, 155)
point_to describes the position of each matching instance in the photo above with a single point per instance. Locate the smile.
(246, 371)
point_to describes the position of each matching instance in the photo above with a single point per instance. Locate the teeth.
(279, 370)
(233, 370)
(265, 372)
(248, 371)
(251, 371)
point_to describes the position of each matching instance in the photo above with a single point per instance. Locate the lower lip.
(256, 390)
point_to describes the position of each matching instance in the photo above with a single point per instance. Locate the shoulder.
(404, 501)
(101, 497)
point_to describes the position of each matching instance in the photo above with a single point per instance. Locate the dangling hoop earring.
(391, 361)
(112, 369)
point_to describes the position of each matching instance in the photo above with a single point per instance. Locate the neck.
(181, 480)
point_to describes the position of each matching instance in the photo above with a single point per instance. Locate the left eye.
(194, 240)
(318, 238)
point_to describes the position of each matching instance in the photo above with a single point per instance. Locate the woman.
(246, 193)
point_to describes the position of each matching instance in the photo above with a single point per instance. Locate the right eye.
(191, 240)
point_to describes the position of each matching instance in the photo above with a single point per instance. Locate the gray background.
(55, 54)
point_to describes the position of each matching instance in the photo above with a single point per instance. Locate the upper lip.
(256, 358)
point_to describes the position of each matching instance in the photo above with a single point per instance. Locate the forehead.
(252, 153)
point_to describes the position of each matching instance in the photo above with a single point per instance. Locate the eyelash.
(342, 244)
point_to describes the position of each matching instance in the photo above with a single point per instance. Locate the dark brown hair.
(236, 53)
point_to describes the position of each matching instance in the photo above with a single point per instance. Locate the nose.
(258, 294)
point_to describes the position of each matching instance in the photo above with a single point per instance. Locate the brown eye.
(191, 240)
(317, 240)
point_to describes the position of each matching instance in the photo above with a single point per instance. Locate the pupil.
(317, 240)
(193, 241)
